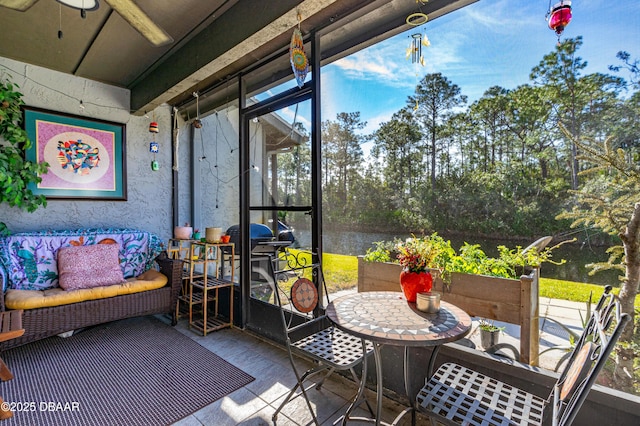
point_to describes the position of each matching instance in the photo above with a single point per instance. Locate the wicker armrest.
(172, 268)
(2, 308)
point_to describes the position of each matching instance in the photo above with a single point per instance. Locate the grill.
(259, 233)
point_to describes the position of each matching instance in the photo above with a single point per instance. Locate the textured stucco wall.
(216, 157)
(216, 144)
(149, 201)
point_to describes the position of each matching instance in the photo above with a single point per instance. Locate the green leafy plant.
(435, 252)
(489, 325)
(381, 251)
(16, 173)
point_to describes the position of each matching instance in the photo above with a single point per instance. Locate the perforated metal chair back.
(459, 395)
(588, 358)
(300, 292)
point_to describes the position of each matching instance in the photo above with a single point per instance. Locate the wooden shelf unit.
(180, 249)
(205, 267)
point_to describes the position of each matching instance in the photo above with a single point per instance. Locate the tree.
(397, 142)
(528, 121)
(632, 66)
(575, 99)
(627, 126)
(490, 112)
(435, 97)
(343, 154)
(609, 200)
(559, 70)
(294, 170)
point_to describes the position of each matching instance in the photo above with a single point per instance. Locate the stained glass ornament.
(559, 16)
(154, 147)
(299, 61)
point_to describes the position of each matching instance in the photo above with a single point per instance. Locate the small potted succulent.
(489, 333)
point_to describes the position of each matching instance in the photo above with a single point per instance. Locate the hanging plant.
(16, 173)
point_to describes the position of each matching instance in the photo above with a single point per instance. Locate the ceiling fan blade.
(139, 20)
(19, 5)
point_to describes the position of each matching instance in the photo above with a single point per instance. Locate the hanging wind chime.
(414, 51)
(299, 61)
(154, 148)
(559, 16)
(418, 41)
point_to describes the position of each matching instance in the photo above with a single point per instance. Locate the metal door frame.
(257, 315)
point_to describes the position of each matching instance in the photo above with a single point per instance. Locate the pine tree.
(609, 199)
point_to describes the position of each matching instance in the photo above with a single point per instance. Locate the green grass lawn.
(341, 273)
(571, 290)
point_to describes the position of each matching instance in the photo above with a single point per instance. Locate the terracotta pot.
(183, 232)
(413, 283)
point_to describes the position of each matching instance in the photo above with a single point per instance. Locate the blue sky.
(485, 44)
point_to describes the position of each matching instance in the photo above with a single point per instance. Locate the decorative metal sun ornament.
(299, 61)
(559, 16)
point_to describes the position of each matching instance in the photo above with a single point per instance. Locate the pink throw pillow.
(89, 266)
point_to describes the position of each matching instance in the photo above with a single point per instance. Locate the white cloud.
(290, 114)
(373, 123)
(503, 17)
(386, 62)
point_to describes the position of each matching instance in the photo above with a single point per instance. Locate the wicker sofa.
(29, 266)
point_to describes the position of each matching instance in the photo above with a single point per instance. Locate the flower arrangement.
(417, 254)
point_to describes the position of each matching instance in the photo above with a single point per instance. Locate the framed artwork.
(86, 156)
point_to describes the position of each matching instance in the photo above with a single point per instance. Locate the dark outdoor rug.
(132, 372)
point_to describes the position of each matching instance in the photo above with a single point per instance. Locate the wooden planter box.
(501, 299)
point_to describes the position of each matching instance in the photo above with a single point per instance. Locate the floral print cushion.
(29, 258)
(89, 266)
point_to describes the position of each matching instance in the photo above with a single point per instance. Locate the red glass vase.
(413, 283)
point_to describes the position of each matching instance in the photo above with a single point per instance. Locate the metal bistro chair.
(308, 332)
(458, 395)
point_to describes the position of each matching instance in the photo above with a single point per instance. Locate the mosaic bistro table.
(386, 318)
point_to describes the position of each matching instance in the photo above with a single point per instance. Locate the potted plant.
(504, 288)
(17, 173)
(489, 333)
(183, 232)
(418, 256)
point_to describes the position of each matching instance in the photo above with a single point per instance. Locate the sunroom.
(238, 139)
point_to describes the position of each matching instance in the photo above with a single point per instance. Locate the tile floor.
(255, 403)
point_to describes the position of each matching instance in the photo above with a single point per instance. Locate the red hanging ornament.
(559, 16)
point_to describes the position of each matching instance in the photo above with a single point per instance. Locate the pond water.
(577, 255)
